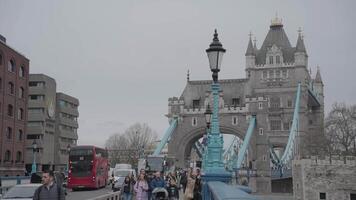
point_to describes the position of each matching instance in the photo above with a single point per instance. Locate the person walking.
(127, 188)
(49, 190)
(188, 194)
(141, 188)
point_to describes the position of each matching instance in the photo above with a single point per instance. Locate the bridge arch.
(181, 146)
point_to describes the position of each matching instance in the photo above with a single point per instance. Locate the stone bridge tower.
(268, 91)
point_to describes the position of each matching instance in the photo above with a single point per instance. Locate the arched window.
(21, 92)
(7, 156)
(19, 135)
(22, 71)
(278, 59)
(10, 110)
(8, 133)
(11, 88)
(18, 156)
(20, 114)
(1, 59)
(11, 66)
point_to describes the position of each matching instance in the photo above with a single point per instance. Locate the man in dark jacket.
(49, 189)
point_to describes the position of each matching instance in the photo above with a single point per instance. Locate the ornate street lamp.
(34, 148)
(213, 164)
(213, 157)
(215, 55)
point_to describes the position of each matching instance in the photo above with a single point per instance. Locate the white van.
(119, 177)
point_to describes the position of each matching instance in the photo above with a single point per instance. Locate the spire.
(318, 76)
(250, 50)
(255, 43)
(276, 22)
(188, 75)
(300, 42)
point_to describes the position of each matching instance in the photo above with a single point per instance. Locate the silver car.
(21, 192)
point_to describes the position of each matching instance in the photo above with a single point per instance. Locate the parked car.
(21, 192)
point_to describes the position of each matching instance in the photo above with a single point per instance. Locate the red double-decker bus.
(88, 167)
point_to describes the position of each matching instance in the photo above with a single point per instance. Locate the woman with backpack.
(127, 188)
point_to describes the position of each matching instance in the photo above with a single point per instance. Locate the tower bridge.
(269, 94)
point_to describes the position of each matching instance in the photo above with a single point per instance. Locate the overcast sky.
(123, 59)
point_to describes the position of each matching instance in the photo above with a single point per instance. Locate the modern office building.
(66, 128)
(14, 69)
(52, 124)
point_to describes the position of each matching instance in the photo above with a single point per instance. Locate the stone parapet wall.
(334, 177)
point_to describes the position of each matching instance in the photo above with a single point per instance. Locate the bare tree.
(340, 129)
(125, 148)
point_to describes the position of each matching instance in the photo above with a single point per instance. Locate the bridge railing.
(110, 196)
(222, 191)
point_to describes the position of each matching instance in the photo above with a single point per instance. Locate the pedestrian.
(49, 190)
(141, 188)
(197, 186)
(127, 188)
(189, 190)
(173, 192)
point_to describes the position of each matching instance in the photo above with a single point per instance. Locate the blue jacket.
(157, 182)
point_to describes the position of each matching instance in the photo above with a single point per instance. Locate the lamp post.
(34, 148)
(213, 168)
(68, 151)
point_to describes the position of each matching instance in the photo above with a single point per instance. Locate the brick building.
(14, 74)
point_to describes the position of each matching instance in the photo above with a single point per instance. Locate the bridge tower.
(268, 92)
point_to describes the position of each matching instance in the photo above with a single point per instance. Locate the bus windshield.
(155, 163)
(81, 162)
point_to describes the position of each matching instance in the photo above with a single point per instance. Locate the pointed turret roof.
(277, 36)
(250, 49)
(318, 76)
(300, 47)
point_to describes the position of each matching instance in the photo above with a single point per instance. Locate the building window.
(20, 114)
(284, 73)
(194, 121)
(289, 103)
(37, 97)
(322, 196)
(0, 83)
(22, 71)
(18, 156)
(19, 135)
(11, 88)
(196, 104)
(261, 131)
(234, 120)
(270, 74)
(264, 158)
(21, 92)
(7, 156)
(278, 74)
(278, 59)
(10, 110)
(275, 102)
(36, 84)
(271, 60)
(260, 105)
(8, 133)
(275, 125)
(264, 74)
(0, 59)
(353, 196)
(11, 66)
(235, 102)
(286, 126)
